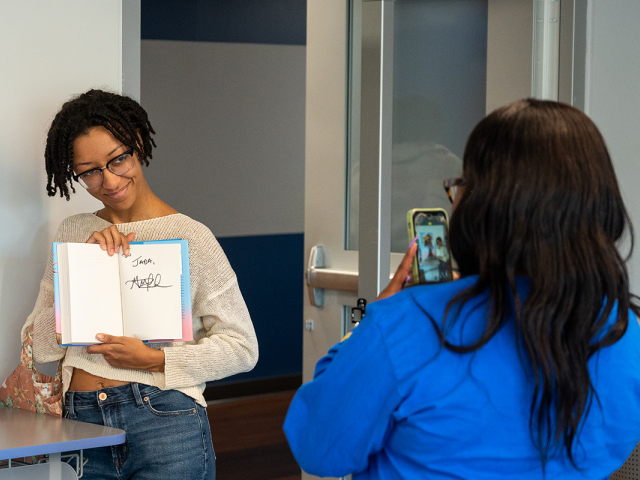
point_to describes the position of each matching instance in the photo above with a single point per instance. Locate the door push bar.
(318, 278)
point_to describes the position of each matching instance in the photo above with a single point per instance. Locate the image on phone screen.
(434, 259)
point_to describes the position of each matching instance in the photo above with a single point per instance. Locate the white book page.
(151, 295)
(94, 293)
(63, 290)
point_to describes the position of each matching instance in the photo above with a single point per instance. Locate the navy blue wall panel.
(239, 21)
(270, 270)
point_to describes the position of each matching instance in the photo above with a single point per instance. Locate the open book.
(146, 295)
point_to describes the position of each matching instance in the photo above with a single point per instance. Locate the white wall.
(613, 97)
(48, 52)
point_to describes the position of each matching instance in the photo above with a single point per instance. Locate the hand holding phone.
(399, 279)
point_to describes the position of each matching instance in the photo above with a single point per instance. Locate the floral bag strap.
(28, 389)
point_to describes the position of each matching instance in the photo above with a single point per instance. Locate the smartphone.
(432, 263)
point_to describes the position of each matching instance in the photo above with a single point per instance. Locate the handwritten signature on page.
(150, 282)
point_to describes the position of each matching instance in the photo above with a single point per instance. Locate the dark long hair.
(542, 200)
(121, 115)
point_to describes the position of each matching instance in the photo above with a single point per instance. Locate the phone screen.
(433, 255)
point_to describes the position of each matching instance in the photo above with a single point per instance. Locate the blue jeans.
(168, 434)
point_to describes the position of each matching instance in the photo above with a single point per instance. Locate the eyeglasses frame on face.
(100, 169)
(452, 182)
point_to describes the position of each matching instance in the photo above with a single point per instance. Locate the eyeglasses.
(451, 187)
(118, 166)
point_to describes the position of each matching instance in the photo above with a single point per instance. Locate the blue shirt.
(389, 403)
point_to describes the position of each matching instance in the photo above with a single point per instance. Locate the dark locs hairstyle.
(542, 200)
(122, 116)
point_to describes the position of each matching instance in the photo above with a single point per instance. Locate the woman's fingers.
(97, 237)
(128, 353)
(125, 243)
(403, 271)
(405, 268)
(119, 239)
(110, 239)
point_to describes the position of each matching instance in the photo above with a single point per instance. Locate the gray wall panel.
(229, 119)
(509, 44)
(613, 98)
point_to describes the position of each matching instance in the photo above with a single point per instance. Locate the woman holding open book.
(152, 391)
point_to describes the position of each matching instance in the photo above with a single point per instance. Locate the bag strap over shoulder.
(26, 357)
(28, 389)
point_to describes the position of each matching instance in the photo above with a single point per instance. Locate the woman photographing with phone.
(526, 367)
(154, 392)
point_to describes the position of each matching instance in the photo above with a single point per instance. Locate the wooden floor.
(249, 441)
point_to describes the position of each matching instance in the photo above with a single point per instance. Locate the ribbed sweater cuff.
(177, 366)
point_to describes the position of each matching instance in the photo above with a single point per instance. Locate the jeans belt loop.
(136, 394)
(69, 399)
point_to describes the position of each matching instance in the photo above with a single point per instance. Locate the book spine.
(185, 289)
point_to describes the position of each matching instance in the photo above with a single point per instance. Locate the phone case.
(412, 233)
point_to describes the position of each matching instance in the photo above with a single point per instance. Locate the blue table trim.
(24, 433)
(63, 446)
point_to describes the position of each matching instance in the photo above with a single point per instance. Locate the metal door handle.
(318, 278)
(361, 307)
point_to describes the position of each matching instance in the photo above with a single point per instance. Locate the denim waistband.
(130, 392)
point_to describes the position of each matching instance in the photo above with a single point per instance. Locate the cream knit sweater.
(224, 340)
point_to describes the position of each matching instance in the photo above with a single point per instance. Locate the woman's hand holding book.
(128, 353)
(111, 239)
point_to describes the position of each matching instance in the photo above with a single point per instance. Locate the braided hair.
(122, 116)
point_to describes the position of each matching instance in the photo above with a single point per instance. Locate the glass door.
(394, 88)
(437, 93)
